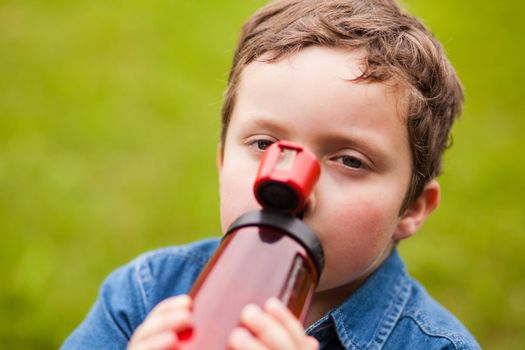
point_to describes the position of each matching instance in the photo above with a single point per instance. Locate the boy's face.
(357, 132)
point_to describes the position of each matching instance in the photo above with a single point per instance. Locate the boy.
(369, 91)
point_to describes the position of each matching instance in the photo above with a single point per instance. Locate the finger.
(174, 322)
(241, 339)
(311, 343)
(172, 304)
(283, 315)
(267, 329)
(163, 313)
(162, 341)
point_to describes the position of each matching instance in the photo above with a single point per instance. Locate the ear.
(416, 214)
(219, 156)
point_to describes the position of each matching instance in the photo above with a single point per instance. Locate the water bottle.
(265, 253)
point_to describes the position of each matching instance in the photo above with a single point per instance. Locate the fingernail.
(183, 300)
(274, 303)
(250, 311)
(238, 338)
(240, 333)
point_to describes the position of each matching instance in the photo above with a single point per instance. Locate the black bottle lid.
(290, 225)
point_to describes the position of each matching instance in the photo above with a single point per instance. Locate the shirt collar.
(366, 319)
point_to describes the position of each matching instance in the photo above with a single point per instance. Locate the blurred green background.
(109, 119)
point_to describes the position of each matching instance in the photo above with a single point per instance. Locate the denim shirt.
(390, 310)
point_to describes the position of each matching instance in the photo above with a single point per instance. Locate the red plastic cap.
(287, 174)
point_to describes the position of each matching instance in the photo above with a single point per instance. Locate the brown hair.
(398, 48)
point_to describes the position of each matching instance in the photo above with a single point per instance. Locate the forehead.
(344, 62)
(321, 76)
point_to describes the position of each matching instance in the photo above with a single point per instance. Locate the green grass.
(109, 119)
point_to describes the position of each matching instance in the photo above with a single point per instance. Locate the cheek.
(364, 228)
(236, 195)
(354, 235)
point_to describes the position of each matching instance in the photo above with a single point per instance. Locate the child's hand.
(274, 328)
(159, 329)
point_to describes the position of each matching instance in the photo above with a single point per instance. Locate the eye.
(261, 144)
(351, 162)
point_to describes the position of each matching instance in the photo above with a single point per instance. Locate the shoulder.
(174, 259)
(424, 323)
(164, 272)
(129, 293)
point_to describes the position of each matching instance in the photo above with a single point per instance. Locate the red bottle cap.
(286, 177)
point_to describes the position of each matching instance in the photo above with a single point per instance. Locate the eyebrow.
(265, 123)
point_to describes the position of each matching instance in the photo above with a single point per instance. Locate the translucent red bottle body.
(253, 263)
(265, 253)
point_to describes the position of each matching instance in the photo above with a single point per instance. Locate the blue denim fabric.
(390, 311)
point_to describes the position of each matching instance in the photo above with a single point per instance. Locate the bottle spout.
(286, 177)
